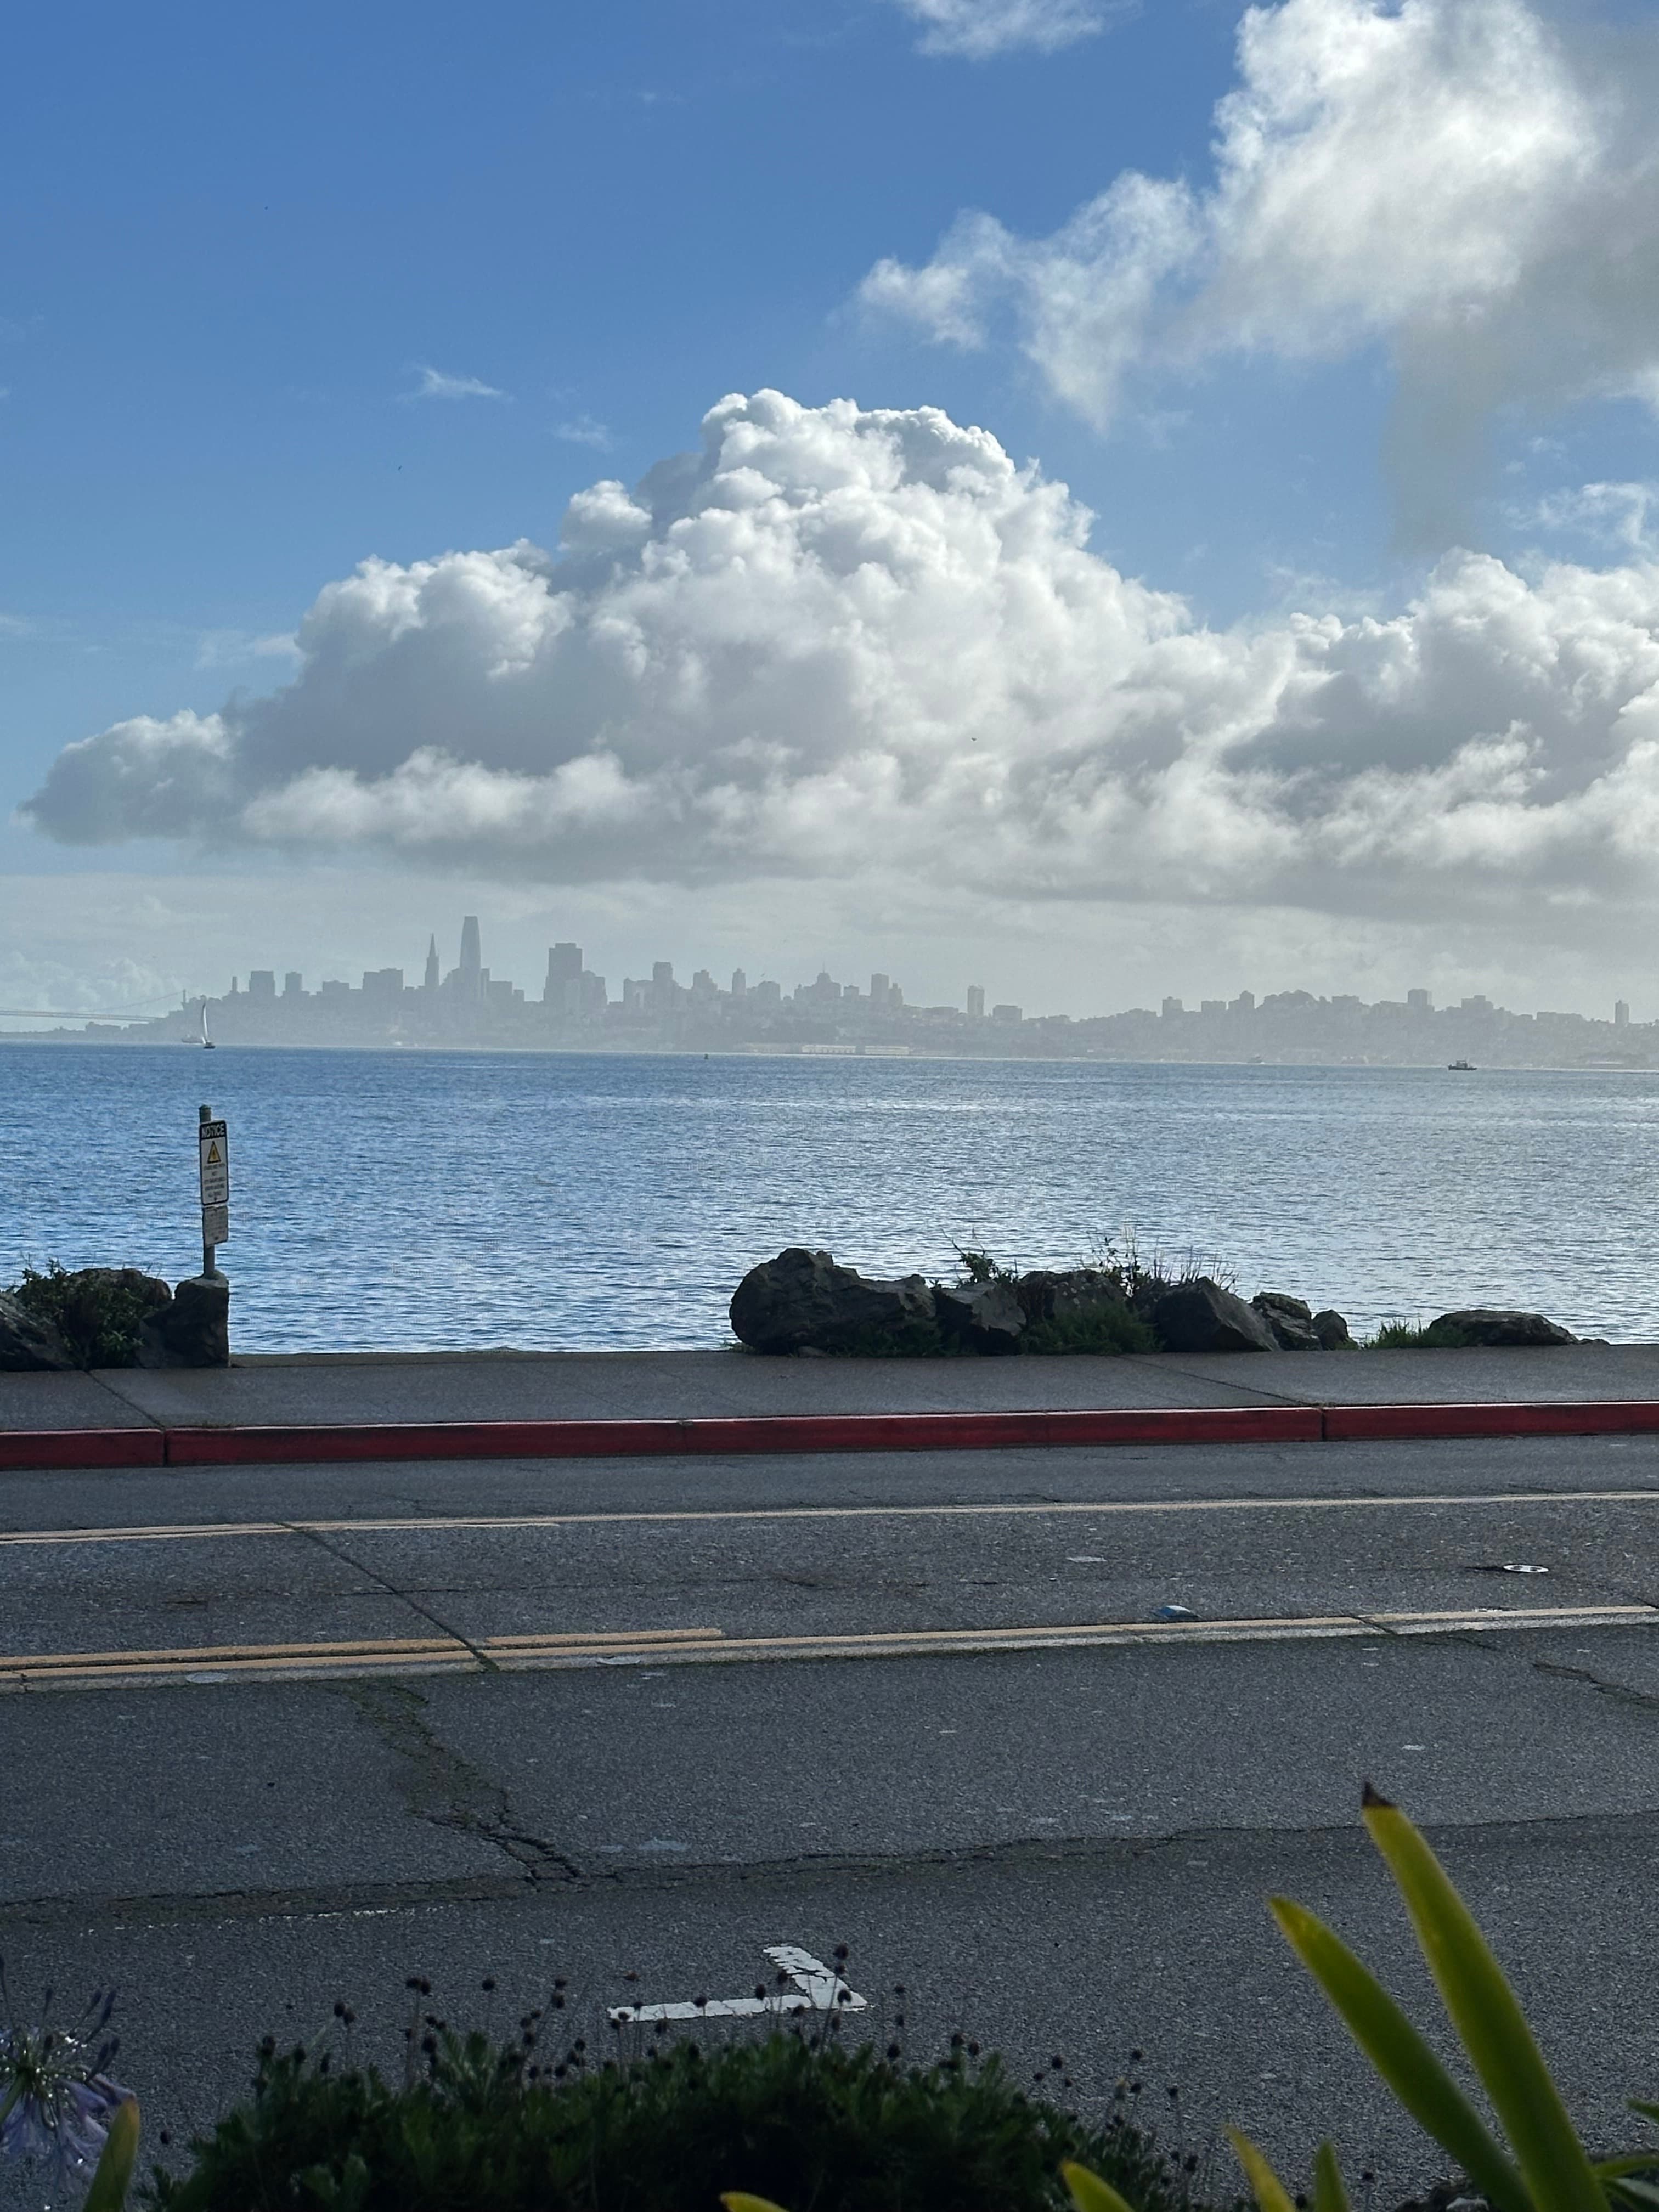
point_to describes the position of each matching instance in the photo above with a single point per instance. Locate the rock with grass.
(982, 1317)
(1200, 1316)
(1290, 1320)
(1332, 1330)
(1068, 1294)
(104, 1309)
(29, 1344)
(802, 1301)
(1492, 1325)
(193, 1329)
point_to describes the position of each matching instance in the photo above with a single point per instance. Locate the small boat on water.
(207, 1042)
(1460, 1067)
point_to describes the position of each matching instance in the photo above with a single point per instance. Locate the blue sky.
(283, 292)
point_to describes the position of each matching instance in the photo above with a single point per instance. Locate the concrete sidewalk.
(589, 1386)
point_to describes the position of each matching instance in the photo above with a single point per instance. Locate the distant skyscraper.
(432, 964)
(976, 1002)
(739, 984)
(564, 965)
(293, 984)
(879, 987)
(1420, 1002)
(472, 961)
(262, 983)
(1621, 1014)
(1170, 1008)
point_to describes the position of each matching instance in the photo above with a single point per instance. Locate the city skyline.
(575, 1009)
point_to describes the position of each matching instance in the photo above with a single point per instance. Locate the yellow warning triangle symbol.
(213, 1156)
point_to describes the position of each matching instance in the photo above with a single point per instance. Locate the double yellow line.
(445, 1654)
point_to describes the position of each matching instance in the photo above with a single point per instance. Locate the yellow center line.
(577, 1648)
(435, 1525)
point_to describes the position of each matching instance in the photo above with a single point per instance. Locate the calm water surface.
(401, 1199)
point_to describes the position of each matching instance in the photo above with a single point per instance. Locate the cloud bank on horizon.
(1442, 177)
(852, 643)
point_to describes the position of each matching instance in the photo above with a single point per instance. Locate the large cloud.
(845, 644)
(1446, 176)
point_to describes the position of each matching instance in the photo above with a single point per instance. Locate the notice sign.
(216, 1183)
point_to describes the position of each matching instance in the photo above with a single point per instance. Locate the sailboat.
(207, 1042)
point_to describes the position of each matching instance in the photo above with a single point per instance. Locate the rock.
(1290, 1320)
(803, 1301)
(985, 1317)
(1200, 1316)
(193, 1329)
(27, 1345)
(1331, 1331)
(1493, 1325)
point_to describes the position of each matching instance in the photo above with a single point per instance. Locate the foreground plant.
(58, 2107)
(1543, 2166)
(812, 2125)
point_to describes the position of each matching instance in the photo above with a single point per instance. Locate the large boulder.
(1291, 1320)
(1493, 1325)
(27, 1345)
(804, 1302)
(193, 1329)
(1332, 1330)
(1200, 1316)
(985, 1317)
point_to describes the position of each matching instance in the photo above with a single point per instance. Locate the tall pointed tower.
(432, 964)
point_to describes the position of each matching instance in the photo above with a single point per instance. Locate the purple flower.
(56, 2099)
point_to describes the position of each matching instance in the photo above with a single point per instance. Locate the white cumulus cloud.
(1451, 178)
(980, 28)
(865, 646)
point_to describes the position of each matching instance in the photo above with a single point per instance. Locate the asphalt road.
(272, 1736)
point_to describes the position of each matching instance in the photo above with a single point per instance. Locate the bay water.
(402, 1200)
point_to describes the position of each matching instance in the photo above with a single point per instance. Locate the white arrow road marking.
(818, 1988)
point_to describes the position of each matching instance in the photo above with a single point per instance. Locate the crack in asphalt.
(1624, 1692)
(403, 1597)
(1081, 1854)
(442, 1788)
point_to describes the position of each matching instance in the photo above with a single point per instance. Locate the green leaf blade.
(1488, 2019)
(1088, 2192)
(1401, 2057)
(114, 2177)
(1268, 2190)
(1329, 2193)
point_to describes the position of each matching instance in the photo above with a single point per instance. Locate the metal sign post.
(214, 1140)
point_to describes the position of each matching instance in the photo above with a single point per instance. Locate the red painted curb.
(783, 1433)
(46, 1447)
(786, 1433)
(1596, 1417)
